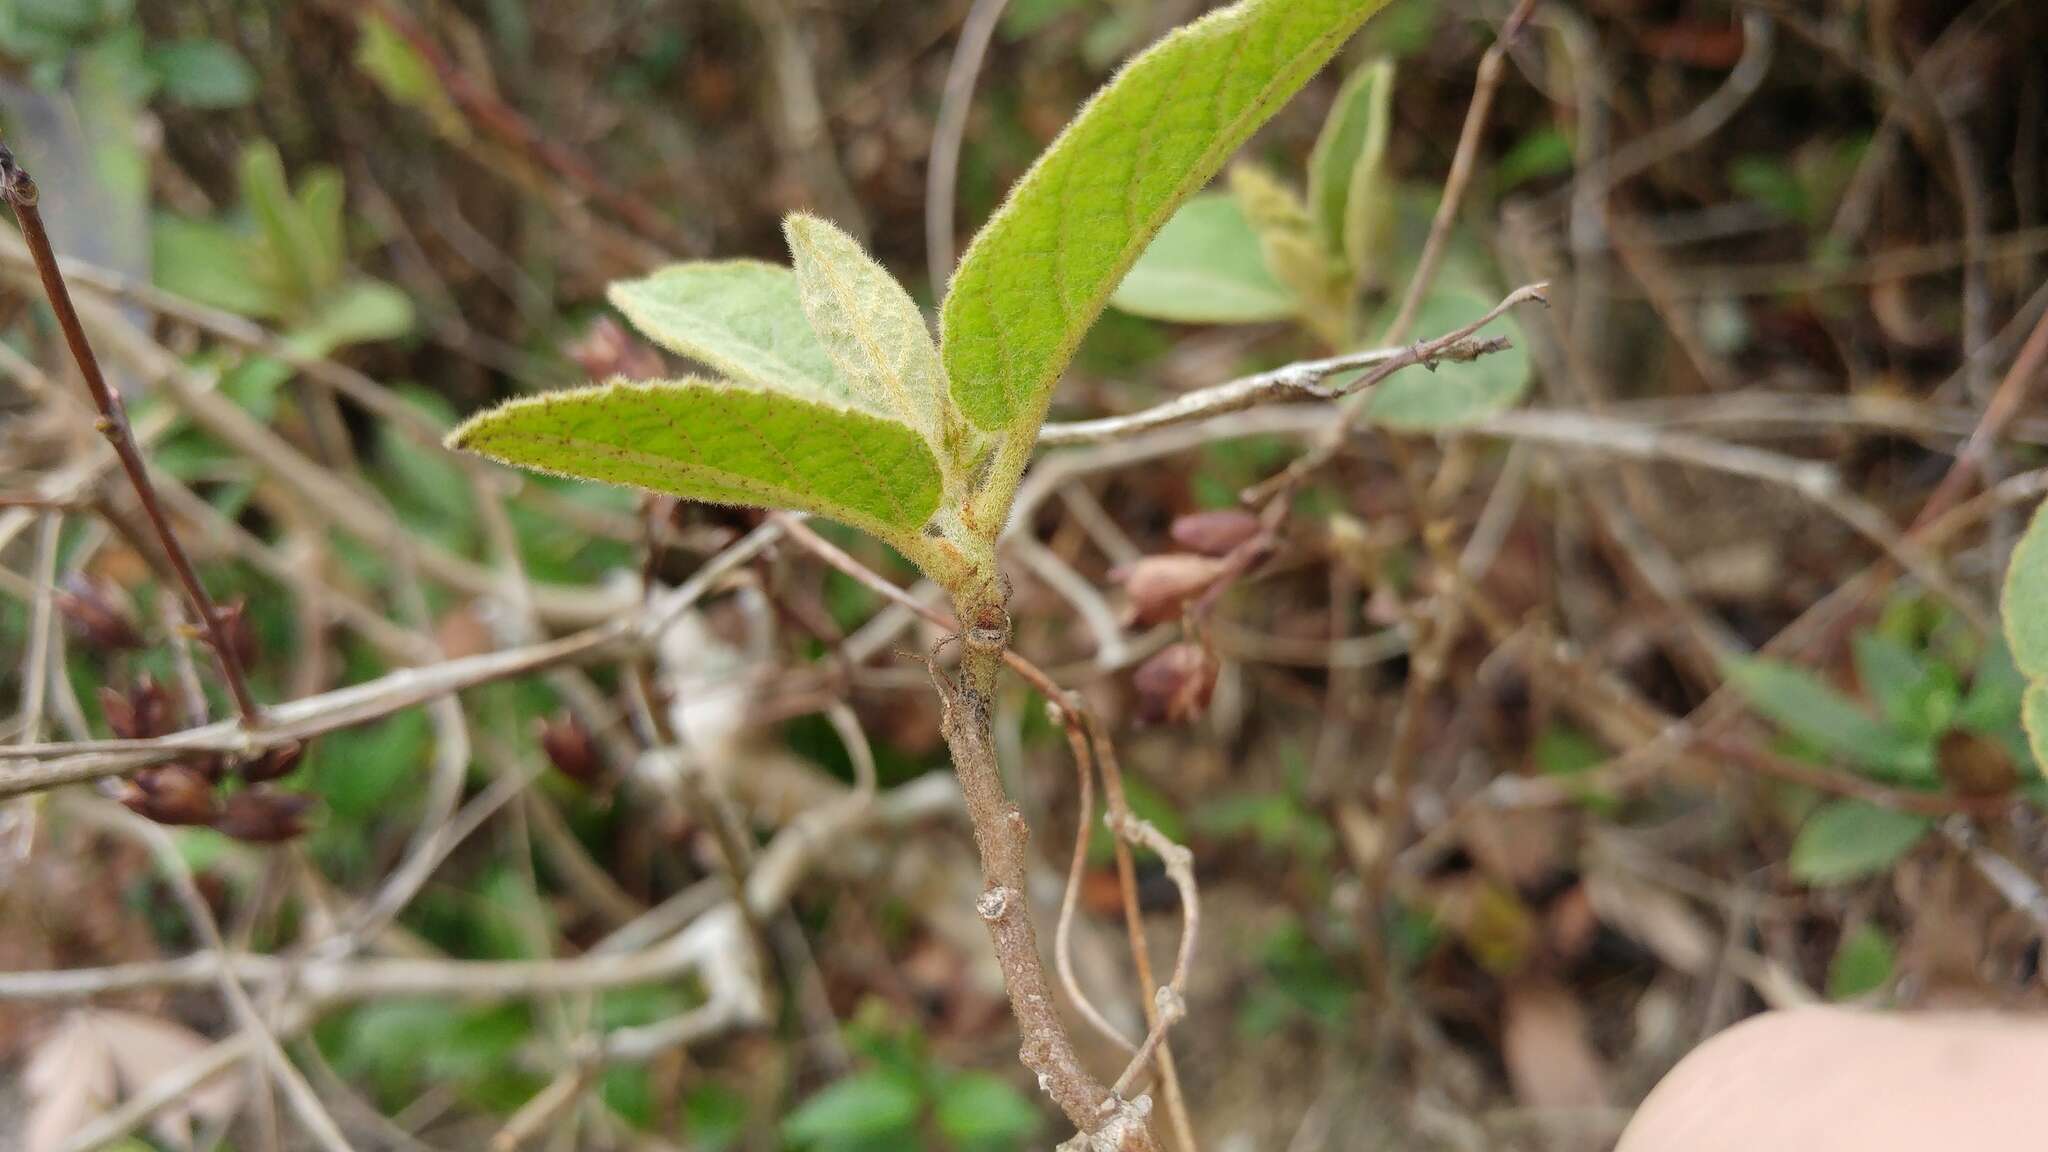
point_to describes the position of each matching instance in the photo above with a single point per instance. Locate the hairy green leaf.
(1848, 840)
(1453, 393)
(1039, 274)
(1205, 267)
(741, 317)
(870, 327)
(721, 443)
(1344, 169)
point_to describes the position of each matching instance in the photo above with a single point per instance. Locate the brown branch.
(20, 191)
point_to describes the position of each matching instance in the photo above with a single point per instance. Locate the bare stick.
(20, 191)
(1463, 163)
(1084, 817)
(943, 168)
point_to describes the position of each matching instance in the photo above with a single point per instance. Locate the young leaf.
(869, 326)
(1344, 169)
(1797, 701)
(1454, 393)
(1293, 251)
(1205, 267)
(721, 443)
(1913, 694)
(741, 317)
(1039, 274)
(1848, 839)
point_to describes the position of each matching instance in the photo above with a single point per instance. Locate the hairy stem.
(1003, 841)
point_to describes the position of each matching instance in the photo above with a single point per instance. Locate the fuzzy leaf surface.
(1038, 275)
(1344, 169)
(721, 443)
(741, 317)
(869, 326)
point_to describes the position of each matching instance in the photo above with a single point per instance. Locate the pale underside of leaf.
(1205, 267)
(1455, 393)
(2024, 600)
(869, 326)
(1345, 163)
(743, 318)
(722, 443)
(1039, 274)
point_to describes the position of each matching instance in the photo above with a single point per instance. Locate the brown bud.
(1159, 585)
(1215, 533)
(608, 350)
(1975, 766)
(96, 615)
(274, 764)
(172, 794)
(234, 626)
(1174, 686)
(141, 712)
(264, 816)
(571, 749)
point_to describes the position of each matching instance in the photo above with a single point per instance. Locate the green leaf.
(1914, 694)
(722, 443)
(1294, 252)
(1848, 840)
(2024, 603)
(977, 1110)
(870, 327)
(203, 74)
(1205, 267)
(867, 1106)
(1039, 273)
(292, 247)
(1797, 701)
(405, 77)
(1863, 963)
(208, 262)
(741, 317)
(1454, 394)
(359, 312)
(2034, 715)
(1344, 183)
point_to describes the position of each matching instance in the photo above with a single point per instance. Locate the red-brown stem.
(20, 191)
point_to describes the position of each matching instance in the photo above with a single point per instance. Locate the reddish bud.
(141, 712)
(571, 749)
(234, 628)
(607, 350)
(1159, 585)
(263, 816)
(275, 764)
(172, 794)
(1216, 533)
(1174, 686)
(96, 615)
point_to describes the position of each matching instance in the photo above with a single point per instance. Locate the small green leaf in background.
(1863, 963)
(1798, 702)
(1915, 694)
(202, 74)
(1454, 394)
(361, 311)
(404, 77)
(741, 317)
(1848, 839)
(1345, 188)
(724, 444)
(1205, 267)
(862, 1110)
(978, 1112)
(1543, 152)
(870, 327)
(1039, 273)
(209, 262)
